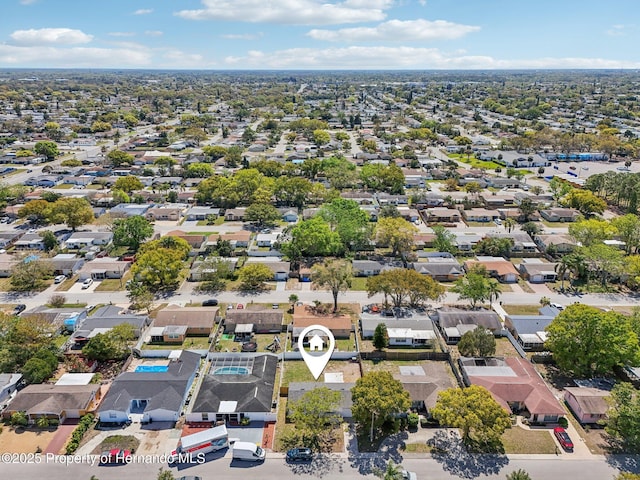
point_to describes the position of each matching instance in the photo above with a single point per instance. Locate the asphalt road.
(335, 468)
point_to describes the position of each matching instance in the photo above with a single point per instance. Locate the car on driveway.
(299, 455)
(59, 279)
(563, 438)
(19, 309)
(87, 283)
(115, 456)
(212, 302)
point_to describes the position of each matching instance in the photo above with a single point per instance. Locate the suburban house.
(523, 244)
(103, 320)
(235, 214)
(279, 268)
(367, 268)
(267, 239)
(66, 264)
(129, 210)
(465, 242)
(8, 238)
(303, 317)
(441, 215)
(515, 385)
(414, 331)
(201, 268)
(298, 389)
(261, 321)
(440, 268)
(290, 216)
(560, 243)
(102, 268)
(55, 402)
(424, 382)
(454, 323)
(235, 387)
(151, 396)
(165, 213)
(29, 241)
(202, 213)
(560, 214)
(588, 404)
(529, 330)
(195, 241)
(64, 318)
(239, 239)
(497, 267)
(174, 323)
(8, 384)
(535, 270)
(480, 215)
(78, 240)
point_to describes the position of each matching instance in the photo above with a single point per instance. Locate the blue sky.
(320, 34)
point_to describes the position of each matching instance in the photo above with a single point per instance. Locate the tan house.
(499, 268)
(239, 239)
(195, 241)
(261, 321)
(303, 317)
(199, 321)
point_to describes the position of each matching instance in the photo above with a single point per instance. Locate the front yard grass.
(521, 309)
(519, 440)
(122, 442)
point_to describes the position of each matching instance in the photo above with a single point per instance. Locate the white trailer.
(192, 448)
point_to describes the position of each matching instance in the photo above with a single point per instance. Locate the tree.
(377, 398)
(623, 416)
(588, 342)
(158, 269)
(527, 208)
(198, 170)
(585, 202)
(336, 275)
(348, 220)
(262, 214)
(119, 158)
(128, 184)
(321, 137)
(380, 337)
(531, 228)
(474, 411)
(518, 475)
(476, 287)
(49, 240)
(591, 231)
(381, 178)
(131, 232)
(396, 233)
(311, 238)
(604, 261)
(72, 211)
(628, 228)
(444, 240)
(627, 476)
(36, 211)
(253, 276)
(19, 419)
(165, 474)
(48, 149)
(112, 345)
(28, 274)
(495, 246)
(479, 342)
(169, 242)
(509, 224)
(315, 410)
(38, 369)
(392, 472)
(559, 188)
(404, 286)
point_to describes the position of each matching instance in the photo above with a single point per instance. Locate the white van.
(248, 451)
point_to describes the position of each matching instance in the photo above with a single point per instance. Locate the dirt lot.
(350, 371)
(24, 441)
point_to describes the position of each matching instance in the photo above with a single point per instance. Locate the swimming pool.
(151, 368)
(231, 371)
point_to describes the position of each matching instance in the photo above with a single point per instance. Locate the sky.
(320, 34)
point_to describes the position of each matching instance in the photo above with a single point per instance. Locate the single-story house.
(197, 321)
(9, 238)
(298, 389)
(279, 268)
(303, 317)
(529, 330)
(8, 384)
(201, 268)
(67, 319)
(202, 213)
(523, 244)
(367, 268)
(103, 320)
(229, 397)
(539, 271)
(441, 269)
(239, 239)
(267, 239)
(66, 264)
(105, 267)
(151, 396)
(588, 404)
(454, 323)
(497, 267)
(290, 216)
(195, 241)
(7, 262)
(559, 242)
(443, 215)
(424, 387)
(235, 214)
(56, 402)
(560, 214)
(165, 213)
(263, 321)
(480, 215)
(129, 210)
(79, 240)
(417, 330)
(515, 384)
(29, 241)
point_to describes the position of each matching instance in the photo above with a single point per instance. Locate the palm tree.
(518, 475)
(509, 224)
(493, 290)
(561, 270)
(393, 472)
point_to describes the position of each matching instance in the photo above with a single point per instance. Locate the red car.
(563, 438)
(115, 455)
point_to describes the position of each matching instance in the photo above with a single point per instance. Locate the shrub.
(76, 437)
(563, 422)
(57, 301)
(412, 420)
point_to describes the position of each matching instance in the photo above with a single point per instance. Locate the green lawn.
(197, 343)
(518, 440)
(64, 186)
(521, 309)
(474, 162)
(114, 284)
(296, 371)
(359, 284)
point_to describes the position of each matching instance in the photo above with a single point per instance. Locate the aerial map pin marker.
(318, 356)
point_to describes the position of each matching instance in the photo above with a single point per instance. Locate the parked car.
(406, 475)
(87, 283)
(299, 455)
(59, 279)
(19, 309)
(212, 302)
(190, 477)
(557, 306)
(563, 438)
(240, 306)
(115, 456)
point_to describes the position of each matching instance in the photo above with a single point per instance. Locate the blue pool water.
(151, 368)
(231, 371)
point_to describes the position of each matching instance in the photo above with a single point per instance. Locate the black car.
(212, 302)
(19, 309)
(299, 455)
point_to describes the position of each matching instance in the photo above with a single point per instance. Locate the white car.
(87, 283)
(59, 279)
(557, 306)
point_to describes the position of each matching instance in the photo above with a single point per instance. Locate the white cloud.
(179, 59)
(154, 33)
(375, 58)
(143, 11)
(618, 30)
(27, 2)
(121, 34)
(243, 36)
(290, 12)
(397, 30)
(75, 57)
(50, 36)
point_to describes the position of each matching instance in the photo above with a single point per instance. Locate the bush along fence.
(86, 422)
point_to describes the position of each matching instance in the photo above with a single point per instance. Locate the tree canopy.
(336, 275)
(478, 342)
(623, 417)
(131, 232)
(396, 233)
(404, 287)
(476, 287)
